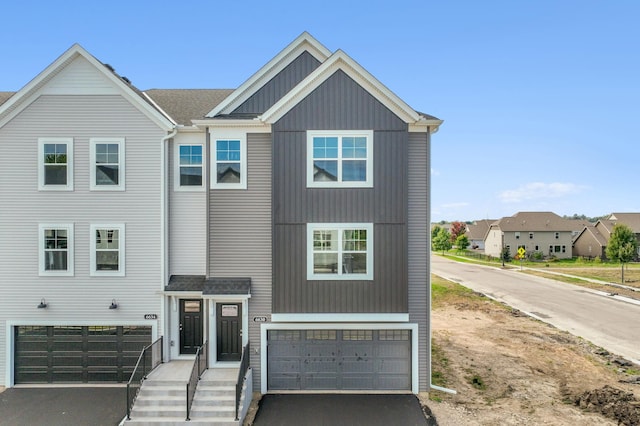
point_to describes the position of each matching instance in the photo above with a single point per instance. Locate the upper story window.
(107, 250)
(340, 159)
(517, 235)
(557, 235)
(55, 164)
(189, 169)
(56, 250)
(340, 251)
(531, 235)
(107, 164)
(229, 164)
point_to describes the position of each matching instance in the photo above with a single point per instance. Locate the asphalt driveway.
(341, 409)
(78, 406)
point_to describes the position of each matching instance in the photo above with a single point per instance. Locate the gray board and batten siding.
(340, 103)
(280, 85)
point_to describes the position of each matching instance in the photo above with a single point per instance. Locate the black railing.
(200, 364)
(244, 366)
(150, 357)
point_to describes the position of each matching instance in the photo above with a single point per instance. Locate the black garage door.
(77, 354)
(339, 360)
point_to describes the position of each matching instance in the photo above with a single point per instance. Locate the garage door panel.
(358, 382)
(390, 382)
(319, 381)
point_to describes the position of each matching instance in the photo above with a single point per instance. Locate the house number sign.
(150, 316)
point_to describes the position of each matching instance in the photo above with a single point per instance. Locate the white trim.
(340, 183)
(121, 249)
(304, 42)
(339, 318)
(415, 385)
(213, 327)
(93, 186)
(339, 275)
(69, 272)
(238, 125)
(228, 136)
(341, 61)
(176, 168)
(10, 337)
(41, 164)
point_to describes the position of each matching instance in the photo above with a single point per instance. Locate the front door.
(190, 326)
(229, 331)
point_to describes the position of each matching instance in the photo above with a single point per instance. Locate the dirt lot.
(509, 369)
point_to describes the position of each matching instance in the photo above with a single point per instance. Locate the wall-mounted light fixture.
(43, 304)
(113, 305)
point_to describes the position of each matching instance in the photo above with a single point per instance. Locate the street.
(607, 322)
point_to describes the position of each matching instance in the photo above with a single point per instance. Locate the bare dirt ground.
(509, 369)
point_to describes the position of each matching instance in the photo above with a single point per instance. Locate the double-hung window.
(340, 251)
(229, 163)
(189, 170)
(340, 159)
(55, 164)
(107, 164)
(107, 250)
(56, 249)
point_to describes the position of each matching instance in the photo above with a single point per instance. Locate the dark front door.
(190, 326)
(229, 331)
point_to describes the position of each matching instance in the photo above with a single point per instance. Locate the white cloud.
(539, 190)
(455, 205)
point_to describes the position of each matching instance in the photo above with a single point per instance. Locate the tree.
(505, 255)
(462, 242)
(434, 232)
(442, 241)
(457, 229)
(622, 245)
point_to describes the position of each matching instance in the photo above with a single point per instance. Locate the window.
(340, 251)
(229, 168)
(189, 170)
(340, 159)
(517, 235)
(557, 235)
(107, 253)
(55, 164)
(107, 164)
(56, 250)
(531, 235)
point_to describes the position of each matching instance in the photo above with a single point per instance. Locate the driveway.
(78, 406)
(340, 409)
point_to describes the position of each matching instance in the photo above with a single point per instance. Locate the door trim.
(212, 331)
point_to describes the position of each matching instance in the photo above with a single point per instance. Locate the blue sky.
(540, 99)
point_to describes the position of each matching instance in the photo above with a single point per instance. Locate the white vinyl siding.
(55, 250)
(107, 164)
(55, 164)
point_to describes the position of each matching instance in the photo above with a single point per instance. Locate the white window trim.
(243, 161)
(41, 184)
(176, 168)
(339, 183)
(121, 250)
(121, 164)
(70, 250)
(339, 276)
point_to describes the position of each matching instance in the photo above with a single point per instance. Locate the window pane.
(55, 153)
(228, 173)
(228, 150)
(325, 240)
(107, 260)
(107, 175)
(191, 176)
(354, 263)
(354, 170)
(325, 171)
(55, 175)
(55, 261)
(325, 263)
(107, 239)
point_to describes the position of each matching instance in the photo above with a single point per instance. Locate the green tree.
(462, 242)
(622, 245)
(434, 232)
(442, 241)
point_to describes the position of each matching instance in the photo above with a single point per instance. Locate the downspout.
(428, 166)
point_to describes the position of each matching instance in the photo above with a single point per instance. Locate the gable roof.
(304, 42)
(632, 220)
(534, 221)
(14, 104)
(592, 231)
(478, 230)
(184, 105)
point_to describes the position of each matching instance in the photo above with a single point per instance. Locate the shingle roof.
(535, 221)
(632, 220)
(4, 96)
(478, 229)
(209, 286)
(184, 105)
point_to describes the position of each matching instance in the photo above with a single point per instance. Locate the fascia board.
(16, 103)
(342, 61)
(251, 125)
(304, 42)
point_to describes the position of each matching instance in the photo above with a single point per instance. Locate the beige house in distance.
(543, 232)
(592, 241)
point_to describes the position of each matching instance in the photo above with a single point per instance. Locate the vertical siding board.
(418, 220)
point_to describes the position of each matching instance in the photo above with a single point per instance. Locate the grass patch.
(445, 292)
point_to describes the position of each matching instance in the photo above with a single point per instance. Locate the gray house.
(286, 220)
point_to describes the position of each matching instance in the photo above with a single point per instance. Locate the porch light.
(113, 305)
(43, 304)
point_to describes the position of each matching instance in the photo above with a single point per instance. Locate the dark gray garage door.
(339, 359)
(77, 354)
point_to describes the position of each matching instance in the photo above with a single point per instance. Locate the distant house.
(476, 232)
(592, 240)
(541, 232)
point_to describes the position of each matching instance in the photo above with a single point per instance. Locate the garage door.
(339, 359)
(77, 354)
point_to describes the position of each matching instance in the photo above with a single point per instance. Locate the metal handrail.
(139, 375)
(244, 366)
(200, 364)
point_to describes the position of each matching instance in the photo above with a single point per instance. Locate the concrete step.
(160, 400)
(215, 392)
(158, 411)
(164, 390)
(200, 412)
(179, 421)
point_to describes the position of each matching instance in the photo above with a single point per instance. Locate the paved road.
(607, 322)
